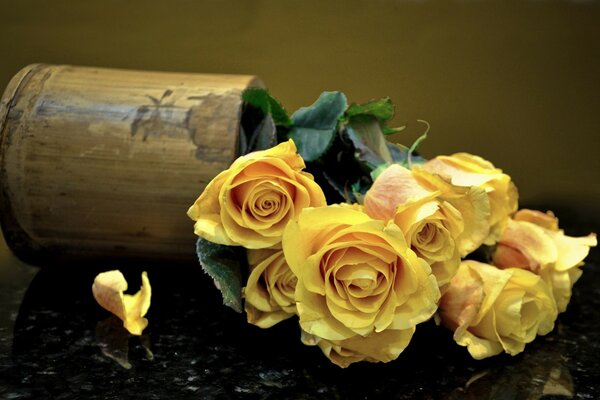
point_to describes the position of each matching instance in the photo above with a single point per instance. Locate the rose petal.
(530, 240)
(545, 220)
(108, 291)
(395, 186)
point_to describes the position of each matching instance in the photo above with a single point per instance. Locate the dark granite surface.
(57, 343)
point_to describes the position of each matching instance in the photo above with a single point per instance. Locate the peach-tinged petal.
(531, 241)
(545, 220)
(458, 173)
(394, 186)
(494, 280)
(509, 257)
(108, 291)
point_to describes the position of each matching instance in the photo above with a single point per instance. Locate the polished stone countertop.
(57, 343)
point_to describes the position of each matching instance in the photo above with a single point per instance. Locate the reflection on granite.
(67, 347)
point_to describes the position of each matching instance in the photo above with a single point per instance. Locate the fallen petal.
(108, 291)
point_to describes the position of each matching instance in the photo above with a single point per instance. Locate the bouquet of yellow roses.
(324, 220)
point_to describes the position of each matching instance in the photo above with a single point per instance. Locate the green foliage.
(382, 109)
(370, 146)
(314, 128)
(224, 265)
(260, 98)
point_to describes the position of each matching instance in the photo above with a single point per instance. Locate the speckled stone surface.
(57, 343)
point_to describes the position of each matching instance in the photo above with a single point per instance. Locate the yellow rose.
(250, 203)
(471, 202)
(533, 241)
(467, 170)
(492, 310)
(269, 291)
(430, 226)
(357, 278)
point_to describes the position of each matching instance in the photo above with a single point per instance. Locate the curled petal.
(395, 186)
(377, 347)
(545, 220)
(525, 240)
(108, 291)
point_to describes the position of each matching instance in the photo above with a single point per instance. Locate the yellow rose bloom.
(471, 202)
(250, 203)
(467, 170)
(269, 291)
(357, 277)
(492, 310)
(430, 226)
(532, 241)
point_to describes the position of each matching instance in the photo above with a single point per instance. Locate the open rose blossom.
(250, 203)
(360, 288)
(270, 289)
(492, 310)
(430, 226)
(467, 170)
(532, 241)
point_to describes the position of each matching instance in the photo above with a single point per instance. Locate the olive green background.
(516, 82)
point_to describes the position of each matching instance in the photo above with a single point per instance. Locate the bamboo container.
(104, 162)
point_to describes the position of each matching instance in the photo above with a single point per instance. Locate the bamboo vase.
(104, 162)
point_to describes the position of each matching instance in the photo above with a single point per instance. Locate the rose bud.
(269, 291)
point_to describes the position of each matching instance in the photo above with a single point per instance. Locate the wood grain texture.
(104, 163)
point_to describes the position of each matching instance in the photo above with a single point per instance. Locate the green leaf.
(260, 98)
(368, 140)
(224, 265)
(280, 116)
(257, 97)
(314, 127)
(382, 109)
(264, 136)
